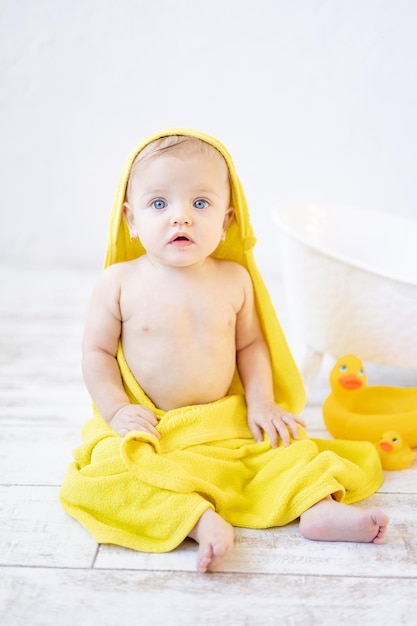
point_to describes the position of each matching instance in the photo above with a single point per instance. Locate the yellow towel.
(238, 247)
(147, 494)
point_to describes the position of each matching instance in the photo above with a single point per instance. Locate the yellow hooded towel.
(147, 494)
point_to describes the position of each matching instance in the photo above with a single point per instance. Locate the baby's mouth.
(180, 240)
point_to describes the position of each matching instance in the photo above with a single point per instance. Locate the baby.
(184, 340)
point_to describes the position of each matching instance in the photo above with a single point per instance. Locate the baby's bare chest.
(180, 315)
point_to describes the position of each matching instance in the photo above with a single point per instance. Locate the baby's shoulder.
(113, 276)
(118, 271)
(234, 270)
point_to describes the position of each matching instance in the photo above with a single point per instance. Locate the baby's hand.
(134, 417)
(274, 421)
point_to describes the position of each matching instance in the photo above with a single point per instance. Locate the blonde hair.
(176, 144)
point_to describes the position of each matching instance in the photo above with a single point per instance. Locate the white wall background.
(315, 99)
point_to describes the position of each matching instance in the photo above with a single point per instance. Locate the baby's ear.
(230, 213)
(128, 213)
(130, 219)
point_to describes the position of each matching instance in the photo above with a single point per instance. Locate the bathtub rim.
(278, 217)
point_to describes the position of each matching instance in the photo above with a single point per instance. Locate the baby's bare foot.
(215, 538)
(329, 520)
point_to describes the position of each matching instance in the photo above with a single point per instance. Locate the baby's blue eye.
(200, 203)
(343, 368)
(158, 204)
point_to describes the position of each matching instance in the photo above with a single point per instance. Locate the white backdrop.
(315, 99)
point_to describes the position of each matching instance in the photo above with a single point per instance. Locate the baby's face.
(179, 206)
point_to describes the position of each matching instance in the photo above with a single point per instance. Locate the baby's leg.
(329, 520)
(215, 537)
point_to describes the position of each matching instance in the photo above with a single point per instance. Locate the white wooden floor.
(53, 574)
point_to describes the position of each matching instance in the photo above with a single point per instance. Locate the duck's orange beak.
(384, 445)
(350, 381)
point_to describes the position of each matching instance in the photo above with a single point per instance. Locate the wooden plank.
(35, 531)
(30, 403)
(40, 355)
(45, 597)
(285, 551)
(35, 454)
(401, 481)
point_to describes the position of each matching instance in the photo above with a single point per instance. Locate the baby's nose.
(181, 215)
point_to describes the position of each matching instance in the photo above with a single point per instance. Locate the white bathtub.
(350, 278)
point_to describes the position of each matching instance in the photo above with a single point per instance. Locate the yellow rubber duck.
(356, 411)
(394, 452)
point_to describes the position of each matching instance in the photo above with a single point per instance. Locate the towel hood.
(238, 247)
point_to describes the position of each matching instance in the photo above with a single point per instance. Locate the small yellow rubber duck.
(360, 412)
(394, 452)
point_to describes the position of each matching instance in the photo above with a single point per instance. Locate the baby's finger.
(299, 420)
(144, 426)
(272, 431)
(292, 424)
(282, 430)
(147, 415)
(256, 432)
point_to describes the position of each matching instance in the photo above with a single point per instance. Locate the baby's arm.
(254, 365)
(100, 369)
